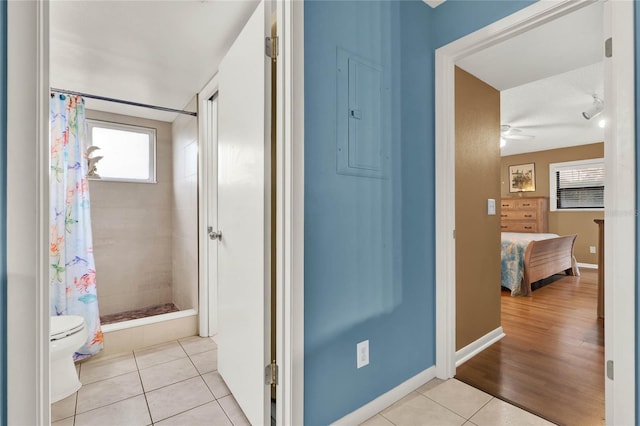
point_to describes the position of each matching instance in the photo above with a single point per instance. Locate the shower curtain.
(73, 271)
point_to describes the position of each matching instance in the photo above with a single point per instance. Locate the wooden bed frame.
(548, 257)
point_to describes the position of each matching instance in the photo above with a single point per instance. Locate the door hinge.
(608, 48)
(271, 374)
(271, 47)
(454, 234)
(610, 369)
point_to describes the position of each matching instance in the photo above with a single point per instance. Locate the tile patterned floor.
(174, 383)
(177, 384)
(454, 403)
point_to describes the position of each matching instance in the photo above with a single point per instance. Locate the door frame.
(290, 276)
(208, 290)
(289, 214)
(620, 208)
(28, 240)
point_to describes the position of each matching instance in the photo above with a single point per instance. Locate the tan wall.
(561, 223)
(185, 210)
(477, 234)
(132, 230)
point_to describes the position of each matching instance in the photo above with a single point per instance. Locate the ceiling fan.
(508, 133)
(513, 133)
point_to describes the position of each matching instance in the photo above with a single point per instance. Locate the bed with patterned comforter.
(514, 252)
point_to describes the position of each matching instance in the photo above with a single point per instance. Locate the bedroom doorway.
(619, 341)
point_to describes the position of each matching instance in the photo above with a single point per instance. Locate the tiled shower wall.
(132, 230)
(185, 210)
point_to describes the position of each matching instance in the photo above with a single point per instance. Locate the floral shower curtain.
(73, 271)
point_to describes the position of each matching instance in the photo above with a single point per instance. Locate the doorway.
(236, 224)
(619, 141)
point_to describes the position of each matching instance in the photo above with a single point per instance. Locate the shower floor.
(138, 313)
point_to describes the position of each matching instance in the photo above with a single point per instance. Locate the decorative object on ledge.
(522, 178)
(92, 163)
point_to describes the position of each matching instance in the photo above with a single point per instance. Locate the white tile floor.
(452, 403)
(174, 383)
(177, 384)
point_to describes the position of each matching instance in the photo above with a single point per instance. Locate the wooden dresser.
(524, 214)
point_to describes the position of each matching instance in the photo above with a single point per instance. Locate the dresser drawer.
(519, 227)
(526, 204)
(508, 204)
(519, 215)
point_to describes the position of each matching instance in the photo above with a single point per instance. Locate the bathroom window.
(128, 152)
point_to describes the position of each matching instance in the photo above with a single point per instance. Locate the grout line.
(196, 367)
(108, 378)
(185, 411)
(189, 409)
(196, 353)
(107, 405)
(171, 384)
(164, 362)
(225, 411)
(144, 392)
(383, 416)
(443, 406)
(485, 404)
(207, 385)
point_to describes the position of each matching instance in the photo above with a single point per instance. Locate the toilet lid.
(65, 325)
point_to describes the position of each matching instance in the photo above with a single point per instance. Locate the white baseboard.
(386, 399)
(587, 265)
(472, 349)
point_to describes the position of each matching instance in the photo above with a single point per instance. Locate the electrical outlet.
(592, 249)
(362, 353)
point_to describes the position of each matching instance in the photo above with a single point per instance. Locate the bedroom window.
(577, 185)
(128, 152)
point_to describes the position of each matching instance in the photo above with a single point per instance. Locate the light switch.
(491, 207)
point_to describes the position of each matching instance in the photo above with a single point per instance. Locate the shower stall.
(145, 232)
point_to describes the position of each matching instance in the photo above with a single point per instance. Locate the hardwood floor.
(551, 361)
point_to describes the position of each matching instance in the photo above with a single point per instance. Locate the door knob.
(214, 235)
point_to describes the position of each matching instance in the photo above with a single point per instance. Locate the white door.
(243, 219)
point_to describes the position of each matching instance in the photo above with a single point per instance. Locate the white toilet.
(67, 335)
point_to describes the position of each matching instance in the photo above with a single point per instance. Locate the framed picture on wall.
(522, 178)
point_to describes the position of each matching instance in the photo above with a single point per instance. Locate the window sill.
(121, 180)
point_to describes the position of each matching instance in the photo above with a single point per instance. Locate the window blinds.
(580, 187)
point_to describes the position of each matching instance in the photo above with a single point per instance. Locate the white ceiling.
(547, 77)
(153, 52)
(164, 52)
(434, 3)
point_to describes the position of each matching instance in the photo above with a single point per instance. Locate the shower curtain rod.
(120, 101)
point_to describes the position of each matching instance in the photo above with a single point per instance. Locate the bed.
(527, 258)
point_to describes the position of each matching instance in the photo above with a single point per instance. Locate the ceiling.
(164, 52)
(547, 77)
(153, 52)
(434, 3)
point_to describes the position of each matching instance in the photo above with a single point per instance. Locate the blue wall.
(357, 286)
(454, 19)
(369, 261)
(3, 213)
